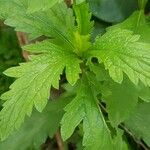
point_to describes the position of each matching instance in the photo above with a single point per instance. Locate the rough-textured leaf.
(139, 122)
(84, 107)
(36, 5)
(121, 100)
(36, 129)
(122, 52)
(57, 22)
(33, 83)
(112, 10)
(138, 23)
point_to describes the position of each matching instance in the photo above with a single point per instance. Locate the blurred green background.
(10, 54)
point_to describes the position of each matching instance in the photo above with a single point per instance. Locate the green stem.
(142, 4)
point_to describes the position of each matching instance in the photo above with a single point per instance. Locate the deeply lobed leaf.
(122, 52)
(34, 80)
(56, 22)
(38, 127)
(84, 107)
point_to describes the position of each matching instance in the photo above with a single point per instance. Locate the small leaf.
(84, 28)
(83, 15)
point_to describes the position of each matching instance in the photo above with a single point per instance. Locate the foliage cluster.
(88, 76)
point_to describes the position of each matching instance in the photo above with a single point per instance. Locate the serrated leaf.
(34, 80)
(138, 23)
(83, 18)
(122, 52)
(139, 122)
(84, 28)
(56, 23)
(84, 107)
(35, 5)
(121, 101)
(38, 127)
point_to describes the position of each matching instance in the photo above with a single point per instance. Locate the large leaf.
(84, 107)
(112, 10)
(57, 22)
(34, 80)
(139, 122)
(122, 52)
(36, 129)
(36, 5)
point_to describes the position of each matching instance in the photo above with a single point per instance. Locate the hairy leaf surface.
(122, 52)
(56, 23)
(34, 80)
(84, 107)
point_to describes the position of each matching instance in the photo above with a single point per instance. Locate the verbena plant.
(102, 82)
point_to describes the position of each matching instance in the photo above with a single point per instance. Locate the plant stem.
(59, 141)
(134, 138)
(22, 38)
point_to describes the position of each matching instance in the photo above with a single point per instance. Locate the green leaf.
(121, 101)
(85, 107)
(122, 52)
(38, 127)
(35, 5)
(84, 28)
(34, 80)
(112, 10)
(139, 122)
(83, 18)
(56, 23)
(138, 23)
